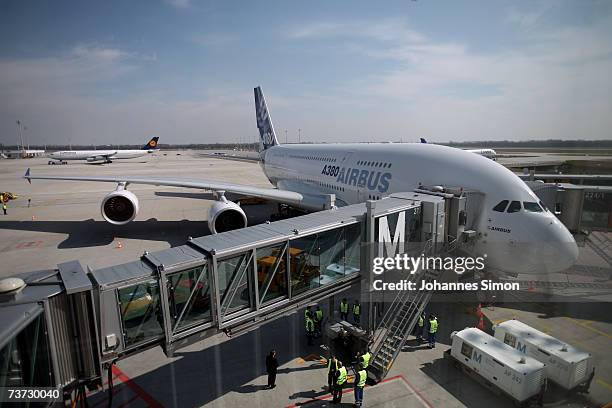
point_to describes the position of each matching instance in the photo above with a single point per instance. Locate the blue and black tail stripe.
(264, 123)
(152, 144)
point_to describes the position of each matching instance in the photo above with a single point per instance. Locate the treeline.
(550, 143)
(557, 143)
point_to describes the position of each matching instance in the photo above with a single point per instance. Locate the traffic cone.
(119, 245)
(480, 323)
(33, 218)
(479, 310)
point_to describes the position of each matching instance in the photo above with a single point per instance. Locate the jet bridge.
(64, 328)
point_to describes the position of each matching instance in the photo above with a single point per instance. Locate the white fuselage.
(99, 154)
(517, 242)
(488, 153)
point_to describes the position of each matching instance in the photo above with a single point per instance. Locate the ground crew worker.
(356, 312)
(332, 368)
(419, 327)
(4, 207)
(344, 309)
(271, 368)
(318, 319)
(341, 375)
(433, 328)
(365, 359)
(307, 312)
(309, 329)
(360, 381)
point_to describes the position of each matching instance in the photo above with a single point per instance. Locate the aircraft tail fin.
(264, 122)
(152, 144)
(423, 140)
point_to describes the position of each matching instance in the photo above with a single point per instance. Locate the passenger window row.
(374, 164)
(323, 159)
(515, 206)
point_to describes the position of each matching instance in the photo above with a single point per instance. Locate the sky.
(114, 72)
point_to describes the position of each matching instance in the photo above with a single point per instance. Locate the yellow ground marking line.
(593, 329)
(603, 383)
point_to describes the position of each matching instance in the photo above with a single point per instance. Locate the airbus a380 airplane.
(515, 231)
(104, 156)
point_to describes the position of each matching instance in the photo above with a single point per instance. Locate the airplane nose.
(563, 251)
(564, 256)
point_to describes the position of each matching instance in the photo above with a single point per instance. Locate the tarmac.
(64, 223)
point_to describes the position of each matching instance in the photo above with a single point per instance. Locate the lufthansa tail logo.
(152, 143)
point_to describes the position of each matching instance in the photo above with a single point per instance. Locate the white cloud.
(554, 85)
(212, 39)
(182, 4)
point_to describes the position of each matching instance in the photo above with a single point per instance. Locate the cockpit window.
(501, 206)
(514, 206)
(532, 206)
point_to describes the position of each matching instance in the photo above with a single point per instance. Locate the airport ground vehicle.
(565, 364)
(498, 366)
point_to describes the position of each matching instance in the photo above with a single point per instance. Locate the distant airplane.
(515, 231)
(488, 153)
(103, 156)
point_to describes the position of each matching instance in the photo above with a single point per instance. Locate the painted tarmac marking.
(585, 326)
(29, 244)
(426, 403)
(605, 384)
(135, 388)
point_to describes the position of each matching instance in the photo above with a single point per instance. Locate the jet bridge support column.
(367, 259)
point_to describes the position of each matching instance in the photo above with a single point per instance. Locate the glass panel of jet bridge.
(189, 297)
(272, 272)
(140, 312)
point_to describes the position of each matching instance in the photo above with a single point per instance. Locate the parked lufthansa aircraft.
(488, 153)
(104, 156)
(513, 228)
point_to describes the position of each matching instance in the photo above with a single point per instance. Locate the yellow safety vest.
(433, 325)
(362, 376)
(329, 365)
(342, 376)
(356, 309)
(309, 325)
(306, 313)
(319, 315)
(366, 359)
(344, 307)
(421, 321)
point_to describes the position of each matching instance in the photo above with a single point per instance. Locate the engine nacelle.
(119, 207)
(225, 215)
(96, 159)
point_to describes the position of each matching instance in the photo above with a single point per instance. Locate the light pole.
(299, 135)
(20, 133)
(285, 136)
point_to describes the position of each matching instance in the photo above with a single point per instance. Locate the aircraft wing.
(283, 196)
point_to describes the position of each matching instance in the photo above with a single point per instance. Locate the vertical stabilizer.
(264, 123)
(151, 144)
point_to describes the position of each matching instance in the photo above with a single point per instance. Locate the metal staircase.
(396, 325)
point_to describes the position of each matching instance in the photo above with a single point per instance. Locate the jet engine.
(225, 215)
(120, 206)
(98, 159)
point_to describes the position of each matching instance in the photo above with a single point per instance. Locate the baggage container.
(565, 365)
(501, 366)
